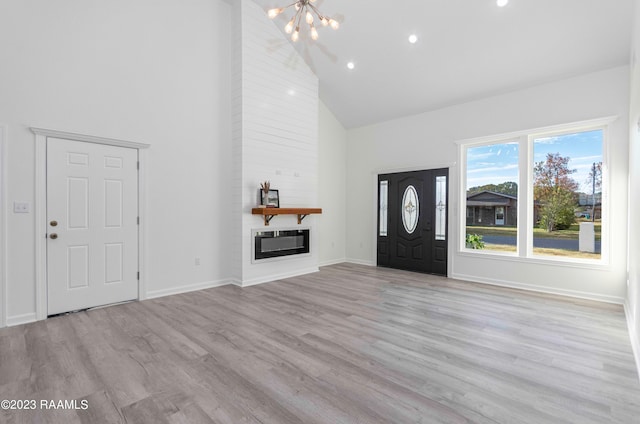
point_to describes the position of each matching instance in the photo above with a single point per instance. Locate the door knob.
(54, 223)
(53, 236)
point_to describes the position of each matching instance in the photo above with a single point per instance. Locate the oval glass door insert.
(410, 209)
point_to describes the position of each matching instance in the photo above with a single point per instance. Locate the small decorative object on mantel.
(263, 192)
(269, 198)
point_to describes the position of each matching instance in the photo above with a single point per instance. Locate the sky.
(498, 163)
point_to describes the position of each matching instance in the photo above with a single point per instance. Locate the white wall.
(632, 306)
(428, 141)
(275, 138)
(151, 71)
(332, 175)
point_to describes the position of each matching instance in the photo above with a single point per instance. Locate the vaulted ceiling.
(466, 49)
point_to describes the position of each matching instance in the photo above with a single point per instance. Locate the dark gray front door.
(412, 221)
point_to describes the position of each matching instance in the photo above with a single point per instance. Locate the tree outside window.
(555, 192)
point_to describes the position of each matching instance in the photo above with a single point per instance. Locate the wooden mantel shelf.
(269, 213)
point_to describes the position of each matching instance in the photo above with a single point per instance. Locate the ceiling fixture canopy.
(307, 9)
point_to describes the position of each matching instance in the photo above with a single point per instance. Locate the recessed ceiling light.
(413, 39)
(351, 65)
(502, 3)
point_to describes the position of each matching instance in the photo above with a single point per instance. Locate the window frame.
(524, 243)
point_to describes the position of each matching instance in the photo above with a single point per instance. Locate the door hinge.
(138, 276)
(138, 165)
(138, 220)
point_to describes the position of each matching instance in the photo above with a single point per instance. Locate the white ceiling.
(467, 49)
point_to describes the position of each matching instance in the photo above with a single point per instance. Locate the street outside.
(542, 242)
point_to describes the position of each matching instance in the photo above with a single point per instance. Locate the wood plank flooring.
(350, 344)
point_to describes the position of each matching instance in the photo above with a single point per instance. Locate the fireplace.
(279, 243)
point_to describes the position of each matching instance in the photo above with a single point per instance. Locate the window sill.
(601, 265)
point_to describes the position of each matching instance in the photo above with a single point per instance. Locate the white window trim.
(524, 251)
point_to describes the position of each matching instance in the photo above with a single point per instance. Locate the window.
(441, 207)
(492, 197)
(382, 205)
(540, 194)
(410, 209)
(567, 193)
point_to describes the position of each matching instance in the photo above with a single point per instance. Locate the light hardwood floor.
(350, 344)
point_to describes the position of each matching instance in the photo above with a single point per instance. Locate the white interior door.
(92, 219)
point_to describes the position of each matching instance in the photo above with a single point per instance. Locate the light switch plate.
(21, 207)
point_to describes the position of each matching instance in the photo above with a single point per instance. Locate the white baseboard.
(274, 277)
(360, 262)
(21, 319)
(633, 334)
(186, 289)
(333, 262)
(541, 289)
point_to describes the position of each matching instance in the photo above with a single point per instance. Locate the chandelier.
(307, 9)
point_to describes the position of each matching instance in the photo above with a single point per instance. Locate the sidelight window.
(383, 197)
(441, 208)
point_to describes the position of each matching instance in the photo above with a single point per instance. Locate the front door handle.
(53, 236)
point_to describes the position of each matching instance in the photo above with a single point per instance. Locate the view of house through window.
(563, 212)
(567, 188)
(492, 197)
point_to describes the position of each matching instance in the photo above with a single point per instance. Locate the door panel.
(78, 267)
(78, 199)
(92, 195)
(414, 220)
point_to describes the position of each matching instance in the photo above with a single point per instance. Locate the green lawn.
(571, 233)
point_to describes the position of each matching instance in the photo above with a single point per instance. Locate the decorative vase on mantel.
(265, 193)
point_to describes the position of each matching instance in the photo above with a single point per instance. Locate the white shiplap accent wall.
(275, 137)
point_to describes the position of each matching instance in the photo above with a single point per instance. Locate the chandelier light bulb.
(289, 28)
(274, 12)
(334, 24)
(309, 18)
(324, 21)
(314, 33)
(295, 35)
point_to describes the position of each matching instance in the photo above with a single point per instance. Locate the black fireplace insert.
(273, 244)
